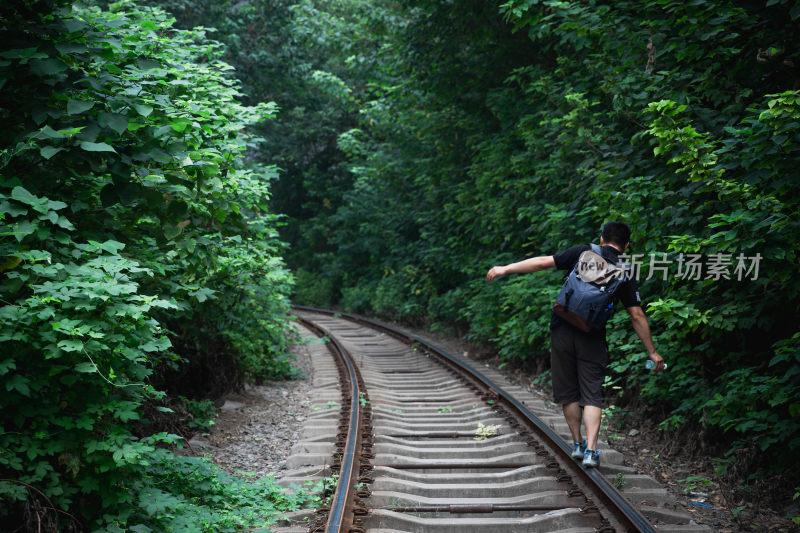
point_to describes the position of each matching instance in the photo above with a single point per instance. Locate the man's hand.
(495, 272)
(658, 360)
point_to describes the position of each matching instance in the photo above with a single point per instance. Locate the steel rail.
(626, 515)
(340, 517)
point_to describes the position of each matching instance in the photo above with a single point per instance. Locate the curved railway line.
(418, 441)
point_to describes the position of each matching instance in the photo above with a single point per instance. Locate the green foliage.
(795, 518)
(290, 52)
(132, 232)
(313, 289)
(695, 482)
(192, 494)
(201, 413)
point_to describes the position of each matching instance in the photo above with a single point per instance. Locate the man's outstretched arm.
(534, 264)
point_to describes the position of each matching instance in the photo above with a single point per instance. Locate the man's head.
(616, 233)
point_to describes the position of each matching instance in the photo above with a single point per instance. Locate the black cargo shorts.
(578, 366)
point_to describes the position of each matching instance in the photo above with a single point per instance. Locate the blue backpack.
(587, 298)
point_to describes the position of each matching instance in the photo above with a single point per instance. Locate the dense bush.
(135, 239)
(290, 52)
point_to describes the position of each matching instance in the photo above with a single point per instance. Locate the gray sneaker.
(591, 458)
(578, 448)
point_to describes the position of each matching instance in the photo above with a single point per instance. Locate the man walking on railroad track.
(578, 349)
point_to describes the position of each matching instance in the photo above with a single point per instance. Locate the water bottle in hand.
(649, 365)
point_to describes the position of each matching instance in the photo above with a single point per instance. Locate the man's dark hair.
(616, 232)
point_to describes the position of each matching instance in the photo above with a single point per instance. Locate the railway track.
(421, 442)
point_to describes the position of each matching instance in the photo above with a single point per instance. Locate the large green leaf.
(128, 192)
(115, 121)
(76, 107)
(23, 195)
(97, 147)
(49, 151)
(86, 368)
(47, 67)
(49, 133)
(171, 230)
(143, 109)
(71, 345)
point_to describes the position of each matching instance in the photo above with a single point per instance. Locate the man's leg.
(592, 361)
(591, 419)
(572, 414)
(564, 375)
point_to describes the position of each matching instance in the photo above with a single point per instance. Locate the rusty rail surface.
(343, 502)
